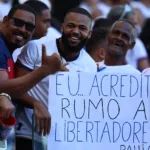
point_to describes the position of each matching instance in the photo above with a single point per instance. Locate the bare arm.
(17, 87)
(42, 116)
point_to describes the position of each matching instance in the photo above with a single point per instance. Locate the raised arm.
(17, 87)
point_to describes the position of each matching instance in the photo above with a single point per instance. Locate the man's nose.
(76, 30)
(23, 28)
(119, 36)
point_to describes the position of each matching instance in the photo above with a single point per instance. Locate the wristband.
(4, 94)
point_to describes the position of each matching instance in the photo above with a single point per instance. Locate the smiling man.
(121, 38)
(76, 30)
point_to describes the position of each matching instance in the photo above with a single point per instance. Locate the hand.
(64, 68)
(6, 107)
(52, 63)
(42, 117)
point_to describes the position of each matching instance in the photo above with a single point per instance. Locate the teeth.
(19, 37)
(74, 38)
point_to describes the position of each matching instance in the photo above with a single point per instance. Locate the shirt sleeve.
(3, 59)
(28, 56)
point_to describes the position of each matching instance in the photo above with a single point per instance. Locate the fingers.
(6, 112)
(37, 125)
(41, 127)
(64, 68)
(43, 52)
(47, 126)
(65, 64)
(42, 117)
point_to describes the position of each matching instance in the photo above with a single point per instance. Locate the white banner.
(99, 112)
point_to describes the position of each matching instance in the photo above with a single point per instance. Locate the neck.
(110, 61)
(96, 58)
(67, 54)
(10, 47)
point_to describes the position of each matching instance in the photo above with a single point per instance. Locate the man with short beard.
(76, 29)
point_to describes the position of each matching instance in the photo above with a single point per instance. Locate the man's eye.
(83, 28)
(70, 25)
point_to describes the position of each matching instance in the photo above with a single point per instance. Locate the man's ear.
(90, 33)
(132, 45)
(62, 28)
(100, 53)
(5, 21)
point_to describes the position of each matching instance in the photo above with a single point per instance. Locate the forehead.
(78, 19)
(24, 15)
(123, 27)
(46, 13)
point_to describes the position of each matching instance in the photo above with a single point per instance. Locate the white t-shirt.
(104, 8)
(137, 53)
(143, 8)
(146, 71)
(122, 68)
(30, 58)
(5, 8)
(52, 33)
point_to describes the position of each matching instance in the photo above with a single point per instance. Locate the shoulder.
(146, 71)
(86, 57)
(87, 60)
(129, 68)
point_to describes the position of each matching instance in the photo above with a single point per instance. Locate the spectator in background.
(143, 6)
(145, 36)
(42, 18)
(5, 6)
(138, 55)
(92, 7)
(96, 45)
(59, 10)
(103, 23)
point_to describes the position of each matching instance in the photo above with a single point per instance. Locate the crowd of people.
(35, 42)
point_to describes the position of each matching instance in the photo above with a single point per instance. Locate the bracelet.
(4, 94)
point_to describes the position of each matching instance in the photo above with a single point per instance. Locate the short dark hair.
(97, 38)
(102, 23)
(38, 6)
(133, 33)
(20, 7)
(79, 11)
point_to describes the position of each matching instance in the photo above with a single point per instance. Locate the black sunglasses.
(19, 23)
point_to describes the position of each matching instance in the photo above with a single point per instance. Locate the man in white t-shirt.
(136, 56)
(120, 39)
(76, 30)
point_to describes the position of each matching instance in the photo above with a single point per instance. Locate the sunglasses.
(19, 23)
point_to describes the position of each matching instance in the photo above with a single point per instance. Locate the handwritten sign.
(99, 111)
